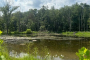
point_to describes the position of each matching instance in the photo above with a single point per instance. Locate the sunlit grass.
(83, 34)
(79, 34)
(68, 33)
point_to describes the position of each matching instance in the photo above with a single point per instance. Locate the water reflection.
(58, 50)
(17, 55)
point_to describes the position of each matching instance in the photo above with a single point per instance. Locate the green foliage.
(2, 51)
(16, 32)
(67, 18)
(0, 32)
(28, 31)
(7, 10)
(1, 41)
(42, 28)
(83, 54)
(24, 32)
(2, 57)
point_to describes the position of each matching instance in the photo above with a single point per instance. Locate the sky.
(25, 5)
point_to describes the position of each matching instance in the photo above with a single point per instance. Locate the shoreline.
(15, 39)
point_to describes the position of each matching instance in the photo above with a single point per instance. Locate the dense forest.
(67, 18)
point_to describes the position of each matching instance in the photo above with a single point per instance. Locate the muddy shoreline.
(16, 39)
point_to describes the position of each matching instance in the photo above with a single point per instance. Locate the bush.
(83, 54)
(16, 32)
(28, 31)
(42, 28)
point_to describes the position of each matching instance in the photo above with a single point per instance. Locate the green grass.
(68, 33)
(79, 34)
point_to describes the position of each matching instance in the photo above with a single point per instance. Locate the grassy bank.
(79, 34)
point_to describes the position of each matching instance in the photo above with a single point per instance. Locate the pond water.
(56, 49)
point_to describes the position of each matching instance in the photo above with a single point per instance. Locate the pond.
(56, 49)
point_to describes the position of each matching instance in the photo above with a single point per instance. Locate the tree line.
(67, 18)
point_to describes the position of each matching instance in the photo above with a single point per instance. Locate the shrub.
(83, 54)
(16, 32)
(28, 31)
(42, 28)
(0, 32)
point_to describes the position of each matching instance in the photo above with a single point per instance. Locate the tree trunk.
(69, 21)
(19, 25)
(19, 22)
(7, 29)
(79, 24)
(70, 25)
(7, 25)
